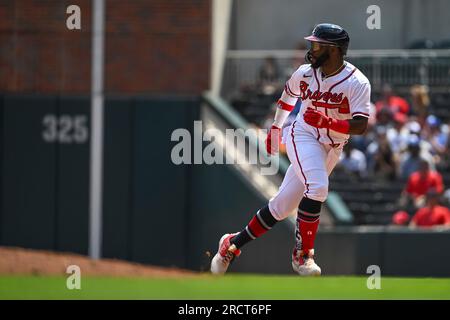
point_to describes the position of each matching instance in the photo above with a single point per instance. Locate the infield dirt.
(19, 261)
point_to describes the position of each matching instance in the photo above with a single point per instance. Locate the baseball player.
(335, 102)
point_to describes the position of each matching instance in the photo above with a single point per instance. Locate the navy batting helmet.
(330, 34)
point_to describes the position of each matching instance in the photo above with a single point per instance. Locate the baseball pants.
(311, 164)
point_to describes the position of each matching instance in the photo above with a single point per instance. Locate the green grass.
(227, 287)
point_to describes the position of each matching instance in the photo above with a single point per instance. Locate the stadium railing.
(400, 68)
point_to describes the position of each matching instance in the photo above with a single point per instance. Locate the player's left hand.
(273, 140)
(316, 118)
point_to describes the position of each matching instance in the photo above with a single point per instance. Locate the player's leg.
(309, 159)
(308, 219)
(307, 223)
(279, 207)
(333, 158)
(230, 244)
(285, 202)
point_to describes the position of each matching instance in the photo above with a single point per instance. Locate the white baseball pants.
(311, 164)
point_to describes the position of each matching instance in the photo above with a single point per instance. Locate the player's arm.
(357, 125)
(274, 135)
(282, 113)
(285, 105)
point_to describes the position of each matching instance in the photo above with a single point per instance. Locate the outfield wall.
(398, 251)
(154, 211)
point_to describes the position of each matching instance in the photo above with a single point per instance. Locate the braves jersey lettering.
(341, 96)
(318, 95)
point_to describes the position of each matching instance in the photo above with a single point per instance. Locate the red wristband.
(342, 126)
(283, 105)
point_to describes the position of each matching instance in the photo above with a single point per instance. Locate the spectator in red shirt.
(420, 183)
(392, 103)
(432, 215)
(400, 218)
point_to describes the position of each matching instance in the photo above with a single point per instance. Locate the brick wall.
(158, 46)
(152, 46)
(38, 53)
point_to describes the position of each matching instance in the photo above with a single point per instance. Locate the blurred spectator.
(446, 198)
(243, 98)
(400, 218)
(420, 100)
(445, 161)
(398, 135)
(420, 183)
(269, 80)
(353, 161)
(384, 117)
(382, 161)
(297, 60)
(437, 139)
(411, 159)
(391, 102)
(413, 127)
(432, 214)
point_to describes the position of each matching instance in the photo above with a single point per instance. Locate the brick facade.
(151, 46)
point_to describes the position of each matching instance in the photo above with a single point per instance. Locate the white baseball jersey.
(341, 96)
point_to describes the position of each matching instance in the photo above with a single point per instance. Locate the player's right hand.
(273, 140)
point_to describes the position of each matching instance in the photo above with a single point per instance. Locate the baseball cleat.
(225, 255)
(303, 263)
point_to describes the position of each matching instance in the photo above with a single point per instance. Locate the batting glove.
(316, 118)
(273, 140)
